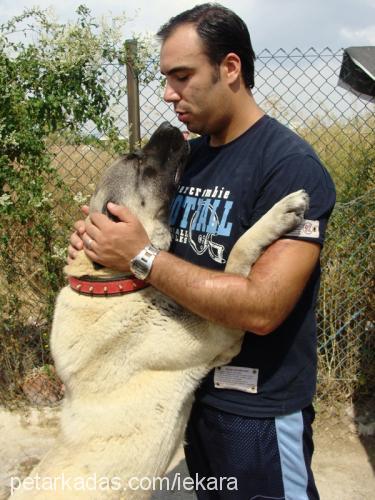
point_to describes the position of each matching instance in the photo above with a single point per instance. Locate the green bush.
(52, 83)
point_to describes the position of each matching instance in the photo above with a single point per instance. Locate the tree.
(53, 80)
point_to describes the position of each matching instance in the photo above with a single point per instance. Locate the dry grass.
(346, 319)
(80, 166)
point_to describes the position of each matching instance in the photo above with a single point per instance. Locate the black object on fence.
(358, 70)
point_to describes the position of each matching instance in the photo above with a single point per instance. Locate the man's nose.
(170, 94)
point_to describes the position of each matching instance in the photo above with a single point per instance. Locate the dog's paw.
(289, 211)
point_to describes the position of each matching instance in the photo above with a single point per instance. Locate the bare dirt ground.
(342, 461)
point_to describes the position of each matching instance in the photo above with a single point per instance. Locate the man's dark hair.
(221, 32)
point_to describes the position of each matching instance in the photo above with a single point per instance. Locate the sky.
(273, 24)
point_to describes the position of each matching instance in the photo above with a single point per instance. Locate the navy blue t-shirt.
(223, 192)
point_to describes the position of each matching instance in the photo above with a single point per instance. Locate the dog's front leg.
(283, 217)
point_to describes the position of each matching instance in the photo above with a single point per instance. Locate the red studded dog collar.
(87, 285)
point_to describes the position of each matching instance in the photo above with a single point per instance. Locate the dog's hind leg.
(283, 217)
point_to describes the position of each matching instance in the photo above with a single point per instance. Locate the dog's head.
(145, 181)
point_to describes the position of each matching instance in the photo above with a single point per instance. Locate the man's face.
(193, 85)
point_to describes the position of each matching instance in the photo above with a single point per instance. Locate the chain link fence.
(300, 90)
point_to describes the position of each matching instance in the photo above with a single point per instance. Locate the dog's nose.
(166, 126)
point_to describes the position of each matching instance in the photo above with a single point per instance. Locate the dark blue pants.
(270, 458)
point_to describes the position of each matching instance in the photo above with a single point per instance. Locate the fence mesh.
(298, 88)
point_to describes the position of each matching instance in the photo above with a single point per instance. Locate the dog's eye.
(149, 172)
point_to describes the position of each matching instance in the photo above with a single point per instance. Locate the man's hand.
(112, 244)
(76, 239)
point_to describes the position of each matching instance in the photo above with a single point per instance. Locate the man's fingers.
(95, 225)
(85, 209)
(123, 213)
(76, 241)
(80, 227)
(72, 254)
(89, 243)
(98, 220)
(91, 254)
(76, 238)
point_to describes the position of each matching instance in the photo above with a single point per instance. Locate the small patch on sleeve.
(307, 229)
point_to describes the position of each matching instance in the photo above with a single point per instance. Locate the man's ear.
(231, 66)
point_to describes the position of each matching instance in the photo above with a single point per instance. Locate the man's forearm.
(210, 294)
(258, 303)
(217, 296)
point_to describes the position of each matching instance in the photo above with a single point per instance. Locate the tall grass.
(345, 313)
(346, 317)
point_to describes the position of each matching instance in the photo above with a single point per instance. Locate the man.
(252, 419)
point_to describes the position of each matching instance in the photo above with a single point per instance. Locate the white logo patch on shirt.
(239, 378)
(307, 229)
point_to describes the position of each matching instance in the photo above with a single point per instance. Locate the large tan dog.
(130, 363)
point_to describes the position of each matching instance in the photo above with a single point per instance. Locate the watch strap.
(141, 264)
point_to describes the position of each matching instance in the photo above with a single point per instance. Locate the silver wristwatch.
(141, 265)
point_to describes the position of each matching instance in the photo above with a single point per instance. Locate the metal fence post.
(133, 95)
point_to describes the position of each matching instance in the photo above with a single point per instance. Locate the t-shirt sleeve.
(300, 171)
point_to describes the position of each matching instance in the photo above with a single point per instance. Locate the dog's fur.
(131, 363)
